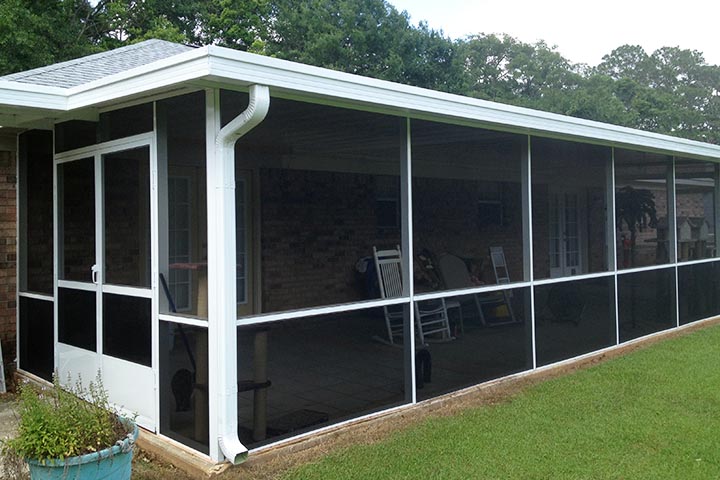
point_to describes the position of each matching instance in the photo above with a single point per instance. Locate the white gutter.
(295, 80)
(21, 96)
(222, 268)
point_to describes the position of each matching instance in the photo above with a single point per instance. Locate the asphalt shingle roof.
(87, 69)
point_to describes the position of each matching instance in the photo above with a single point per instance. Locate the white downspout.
(224, 266)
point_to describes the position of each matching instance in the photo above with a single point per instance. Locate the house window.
(387, 202)
(569, 209)
(179, 208)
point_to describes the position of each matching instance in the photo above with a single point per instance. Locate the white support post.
(526, 173)
(214, 176)
(672, 235)
(407, 252)
(157, 147)
(612, 241)
(99, 255)
(57, 251)
(21, 235)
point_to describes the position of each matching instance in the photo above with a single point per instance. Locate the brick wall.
(315, 226)
(445, 214)
(8, 255)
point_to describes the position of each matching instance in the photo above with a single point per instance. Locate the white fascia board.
(145, 80)
(284, 76)
(24, 95)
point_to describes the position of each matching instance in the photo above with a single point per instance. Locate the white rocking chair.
(430, 315)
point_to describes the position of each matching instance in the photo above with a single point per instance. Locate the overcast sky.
(583, 31)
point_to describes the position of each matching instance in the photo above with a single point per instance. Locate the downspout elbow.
(233, 450)
(255, 112)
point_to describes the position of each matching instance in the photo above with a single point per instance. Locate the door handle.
(94, 273)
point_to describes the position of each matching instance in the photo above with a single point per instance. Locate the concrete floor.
(334, 368)
(8, 420)
(8, 428)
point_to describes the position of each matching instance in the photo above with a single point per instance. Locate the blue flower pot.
(114, 463)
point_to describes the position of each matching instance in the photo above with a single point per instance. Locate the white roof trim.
(223, 65)
(424, 103)
(16, 94)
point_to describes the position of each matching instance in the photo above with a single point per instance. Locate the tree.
(501, 68)
(485, 60)
(626, 61)
(428, 59)
(365, 37)
(672, 90)
(34, 33)
(232, 23)
(593, 98)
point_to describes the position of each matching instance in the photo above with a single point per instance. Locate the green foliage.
(231, 23)
(34, 33)
(506, 70)
(364, 37)
(671, 90)
(59, 423)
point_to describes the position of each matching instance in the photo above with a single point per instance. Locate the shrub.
(60, 423)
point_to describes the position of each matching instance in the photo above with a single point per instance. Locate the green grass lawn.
(654, 413)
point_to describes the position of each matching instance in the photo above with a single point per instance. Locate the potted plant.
(72, 433)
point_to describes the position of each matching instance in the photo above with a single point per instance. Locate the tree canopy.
(671, 90)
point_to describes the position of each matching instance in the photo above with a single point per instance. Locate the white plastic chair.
(502, 277)
(456, 276)
(430, 316)
(497, 257)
